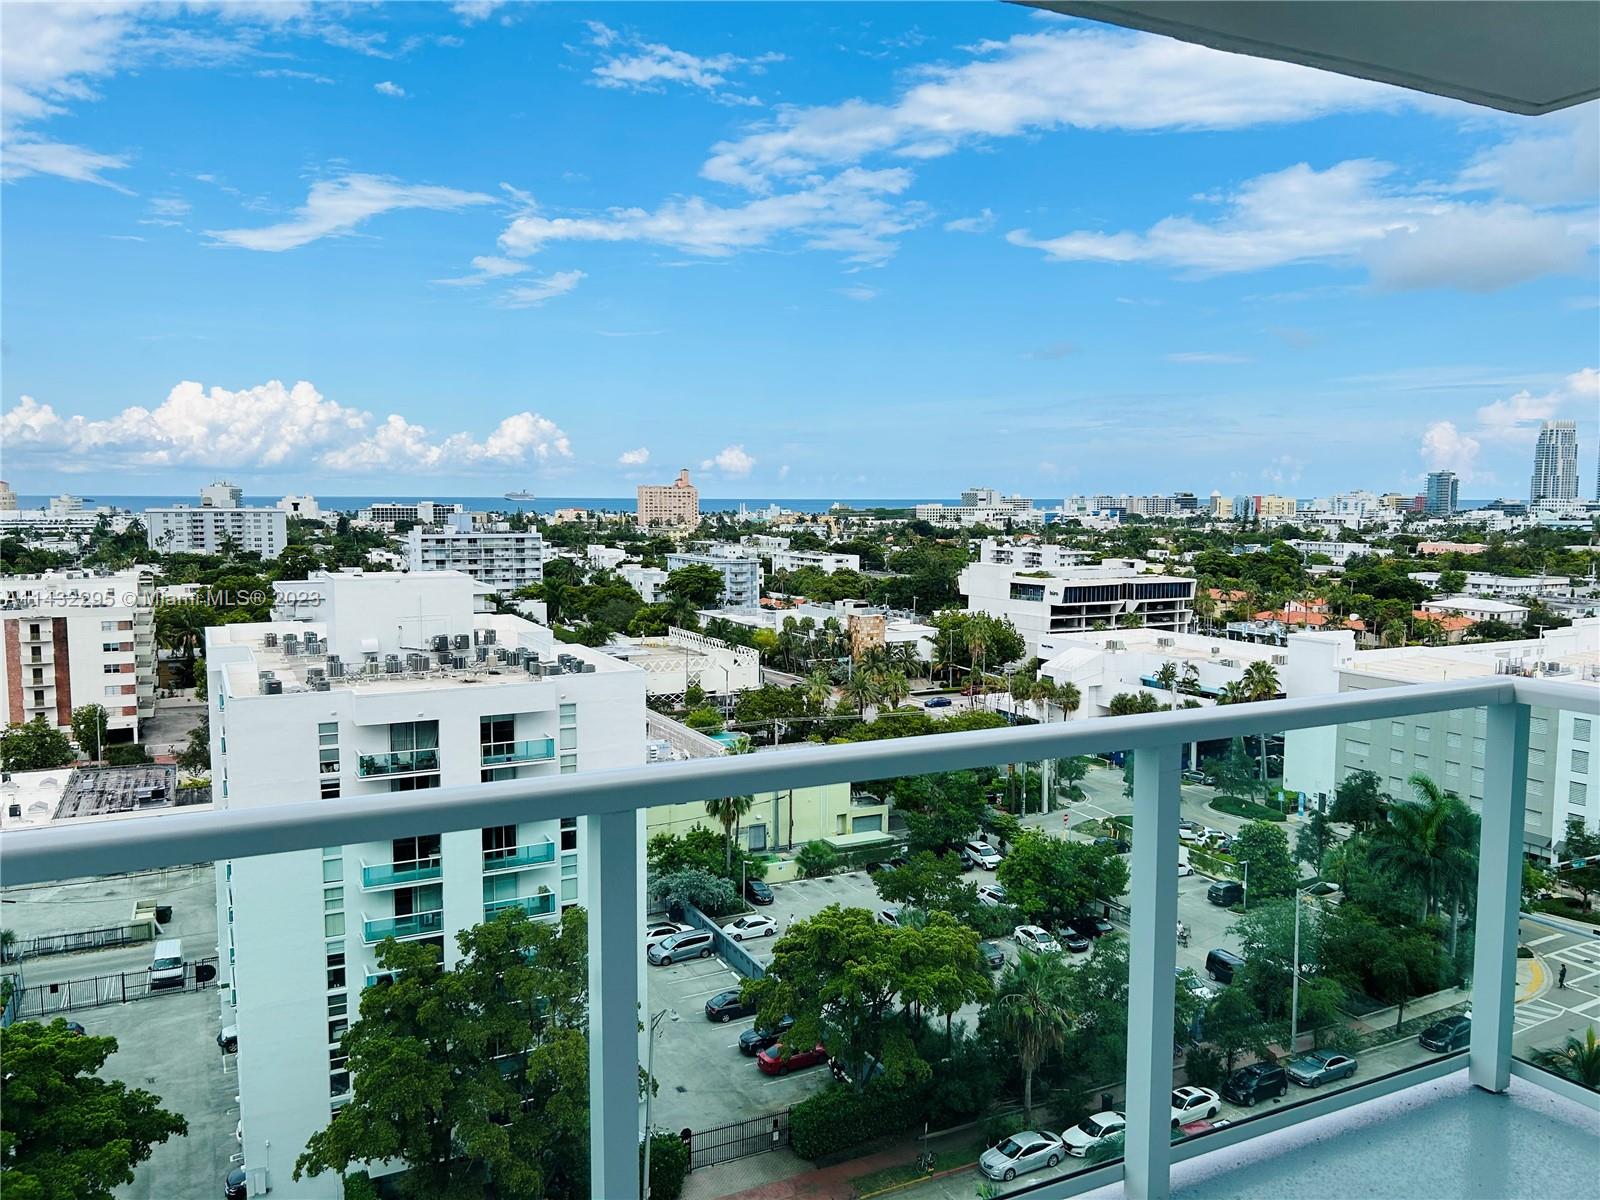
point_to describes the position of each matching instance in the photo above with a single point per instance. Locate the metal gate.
(707, 1147)
(47, 1000)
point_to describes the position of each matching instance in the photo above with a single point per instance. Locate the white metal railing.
(611, 801)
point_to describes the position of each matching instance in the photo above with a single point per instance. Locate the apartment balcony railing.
(609, 802)
(401, 874)
(540, 905)
(519, 858)
(506, 754)
(397, 762)
(412, 925)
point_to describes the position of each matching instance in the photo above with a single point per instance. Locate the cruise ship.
(519, 496)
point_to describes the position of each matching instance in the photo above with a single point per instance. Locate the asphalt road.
(1549, 1017)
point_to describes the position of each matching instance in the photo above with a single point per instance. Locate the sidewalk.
(780, 1175)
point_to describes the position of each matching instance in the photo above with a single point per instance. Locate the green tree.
(1234, 1025)
(1430, 846)
(1031, 1014)
(941, 810)
(69, 1132)
(940, 969)
(35, 746)
(1576, 1060)
(195, 757)
(1265, 846)
(696, 584)
(1126, 703)
(931, 882)
(474, 1074)
(1050, 880)
(1312, 841)
(1360, 800)
(1235, 773)
(862, 689)
(1581, 844)
(712, 894)
(1070, 774)
(89, 728)
(728, 811)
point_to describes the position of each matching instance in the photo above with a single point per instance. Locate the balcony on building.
(412, 925)
(401, 874)
(540, 904)
(510, 754)
(519, 858)
(398, 762)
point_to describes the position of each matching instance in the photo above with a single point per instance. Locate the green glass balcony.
(398, 762)
(414, 925)
(506, 754)
(519, 858)
(401, 874)
(541, 905)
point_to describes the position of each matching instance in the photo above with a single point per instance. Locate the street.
(1553, 1013)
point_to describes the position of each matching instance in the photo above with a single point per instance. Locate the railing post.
(1152, 955)
(1494, 960)
(612, 847)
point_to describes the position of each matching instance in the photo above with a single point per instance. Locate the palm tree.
(1261, 683)
(1029, 1004)
(904, 655)
(728, 812)
(1424, 843)
(1167, 677)
(977, 644)
(817, 689)
(1576, 1060)
(861, 689)
(893, 687)
(1068, 698)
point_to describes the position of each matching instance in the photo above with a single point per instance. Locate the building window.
(1580, 762)
(1355, 748)
(1452, 768)
(330, 789)
(1421, 762)
(1580, 729)
(1397, 729)
(1577, 794)
(333, 925)
(569, 764)
(332, 870)
(338, 1005)
(1424, 733)
(569, 739)
(1538, 726)
(1477, 779)
(1397, 756)
(1452, 740)
(569, 833)
(333, 899)
(1535, 757)
(569, 889)
(569, 714)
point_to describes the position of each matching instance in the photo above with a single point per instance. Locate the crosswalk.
(1536, 1012)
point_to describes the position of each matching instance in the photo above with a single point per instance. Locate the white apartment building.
(398, 683)
(647, 581)
(221, 495)
(301, 506)
(498, 558)
(74, 638)
(982, 506)
(823, 560)
(1555, 462)
(1031, 556)
(1339, 553)
(1178, 504)
(765, 543)
(1106, 663)
(417, 512)
(8, 498)
(1482, 583)
(738, 565)
(183, 529)
(1104, 595)
(1478, 608)
(64, 505)
(605, 558)
(682, 658)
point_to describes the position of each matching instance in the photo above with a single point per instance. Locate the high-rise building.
(183, 529)
(676, 503)
(8, 498)
(396, 683)
(1555, 462)
(222, 495)
(500, 558)
(1440, 496)
(739, 567)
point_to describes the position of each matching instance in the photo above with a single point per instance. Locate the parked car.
(980, 854)
(236, 1186)
(991, 894)
(1200, 777)
(887, 916)
(1320, 1067)
(1091, 1131)
(661, 930)
(1258, 1081)
(1190, 982)
(1223, 845)
(1021, 1153)
(1225, 892)
(757, 892)
(993, 957)
(1194, 1104)
(755, 1039)
(1221, 964)
(1074, 941)
(937, 702)
(1184, 870)
(751, 925)
(1452, 1033)
(727, 1006)
(1091, 927)
(776, 1060)
(1188, 831)
(227, 1040)
(1121, 845)
(1031, 937)
(892, 863)
(692, 943)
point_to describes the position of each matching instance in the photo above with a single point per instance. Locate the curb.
(1540, 983)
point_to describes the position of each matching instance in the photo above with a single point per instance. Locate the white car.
(1091, 1131)
(980, 854)
(1019, 1154)
(752, 925)
(1194, 1104)
(1189, 832)
(1184, 870)
(887, 916)
(992, 894)
(1031, 937)
(656, 933)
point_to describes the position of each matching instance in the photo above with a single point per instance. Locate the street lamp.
(1294, 987)
(1244, 900)
(650, 1076)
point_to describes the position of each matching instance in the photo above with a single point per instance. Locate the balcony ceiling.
(1519, 57)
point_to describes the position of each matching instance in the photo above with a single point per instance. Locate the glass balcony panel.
(401, 874)
(412, 925)
(502, 754)
(398, 762)
(519, 858)
(540, 905)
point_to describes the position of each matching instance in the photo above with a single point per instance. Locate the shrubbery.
(669, 1165)
(1246, 808)
(816, 858)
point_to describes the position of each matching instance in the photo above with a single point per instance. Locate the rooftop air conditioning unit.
(272, 687)
(271, 639)
(462, 641)
(1280, 660)
(319, 684)
(483, 654)
(417, 662)
(531, 665)
(391, 664)
(1230, 662)
(335, 668)
(459, 662)
(440, 642)
(488, 637)
(1163, 641)
(587, 667)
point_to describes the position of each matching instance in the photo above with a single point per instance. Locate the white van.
(166, 964)
(980, 854)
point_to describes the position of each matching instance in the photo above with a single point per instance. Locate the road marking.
(1583, 1008)
(1549, 937)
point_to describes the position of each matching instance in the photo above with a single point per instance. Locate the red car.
(772, 1060)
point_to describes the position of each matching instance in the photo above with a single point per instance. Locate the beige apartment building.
(676, 503)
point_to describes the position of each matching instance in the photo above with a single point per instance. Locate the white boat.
(519, 495)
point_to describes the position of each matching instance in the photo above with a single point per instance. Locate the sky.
(837, 250)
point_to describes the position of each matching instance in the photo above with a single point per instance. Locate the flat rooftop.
(34, 799)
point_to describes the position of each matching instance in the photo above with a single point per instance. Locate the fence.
(46, 1000)
(12, 986)
(733, 953)
(707, 1147)
(85, 939)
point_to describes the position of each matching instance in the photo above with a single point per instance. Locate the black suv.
(1452, 1033)
(1225, 892)
(1090, 927)
(757, 892)
(725, 1006)
(1258, 1081)
(755, 1039)
(993, 957)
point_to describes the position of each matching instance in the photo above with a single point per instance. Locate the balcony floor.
(1445, 1139)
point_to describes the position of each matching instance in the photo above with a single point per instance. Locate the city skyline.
(813, 249)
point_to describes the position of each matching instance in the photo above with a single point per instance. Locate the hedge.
(1246, 808)
(837, 1118)
(669, 1164)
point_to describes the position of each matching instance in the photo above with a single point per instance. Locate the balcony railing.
(505, 754)
(398, 762)
(540, 905)
(519, 858)
(610, 802)
(401, 874)
(410, 926)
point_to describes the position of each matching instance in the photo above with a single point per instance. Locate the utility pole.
(650, 1076)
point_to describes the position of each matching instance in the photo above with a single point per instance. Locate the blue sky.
(809, 250)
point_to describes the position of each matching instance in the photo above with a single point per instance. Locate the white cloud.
(484, 268)
(268, 427)
(731, 460)
(636, 65)
(1510, 423)
(858, 291)
(1554, 159)
(291, 73)
(1446, 448)
(849, 213)
(530, 295)
(634, 458)
(473, 11)
(981, 223)
(783, 471)
(1208, 358)
(336, 206)
(389, 88)
(1346, 215)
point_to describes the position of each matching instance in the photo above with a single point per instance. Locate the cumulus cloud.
(634, 458)
(640, 66)
(981, 223)
(268, 427)
(538, 291)
(389, 88)
(335, 207)
(473, 11)
(486, 267)
(1446, 448)
(732, 461)
(1555, 160)
(1512, 422)
(1347, 215)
